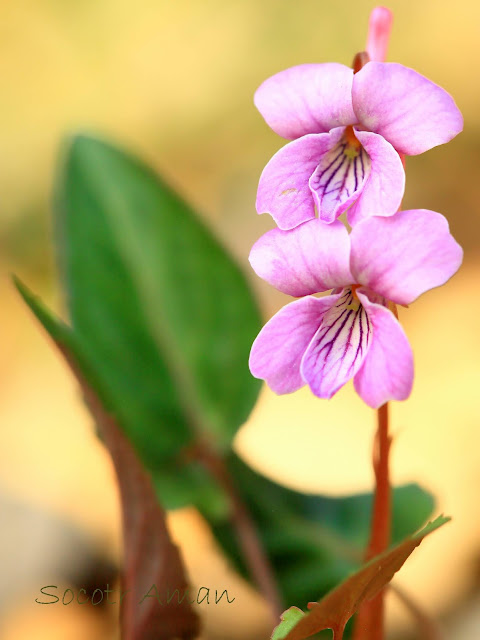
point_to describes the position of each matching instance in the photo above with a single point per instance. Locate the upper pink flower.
(347, 130)
(352, 333)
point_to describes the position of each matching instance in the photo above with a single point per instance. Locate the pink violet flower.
(347, 132)
(353, 332)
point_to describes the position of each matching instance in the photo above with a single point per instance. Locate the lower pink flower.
(353, 332)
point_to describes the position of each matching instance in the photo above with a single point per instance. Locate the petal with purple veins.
(411, 112)
(383, 189)
(311, 258)
(339, 178)
(387, 371)
(308, 98)
(405, 255)
(283, 190)
(339, 347)
(279, 347)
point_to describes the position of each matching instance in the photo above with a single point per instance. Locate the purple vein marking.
(343, 176)
(330, 360)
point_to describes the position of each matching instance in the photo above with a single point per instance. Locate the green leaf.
(162, 322)
(150, 556)
(338, 606)
(179, 484)
(350, 516)
(289, 619)
(165, 317)
(313, 542)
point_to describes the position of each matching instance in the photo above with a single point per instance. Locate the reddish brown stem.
(428, 628)
(252, 549)
(380, 531)
(370, 619)
(360, 60)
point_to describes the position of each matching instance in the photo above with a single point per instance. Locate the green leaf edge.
(291, 616)
(76, 145)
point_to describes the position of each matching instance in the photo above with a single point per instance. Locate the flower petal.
(383, 190)
(311, 258)
(411, 112)
(339, 178)
(283, 190)
(339, 347)
(279, 347)
(308, 98)
(403, 256)
(387, 371)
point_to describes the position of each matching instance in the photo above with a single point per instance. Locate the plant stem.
(381, 521)
(254, 555)
(369, 623)
(427, 627)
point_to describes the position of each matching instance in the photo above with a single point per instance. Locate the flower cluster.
(350, 133)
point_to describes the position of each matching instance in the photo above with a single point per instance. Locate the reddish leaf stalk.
(151, 558)
(253, 553)
(370, 619)
(428, 628)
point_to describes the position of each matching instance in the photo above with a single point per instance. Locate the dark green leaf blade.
(166, 315)
(313, 542)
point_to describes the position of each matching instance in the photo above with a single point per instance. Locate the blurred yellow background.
(173, 81)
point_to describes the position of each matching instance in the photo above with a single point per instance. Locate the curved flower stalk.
(348, 131)
(354, 331)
